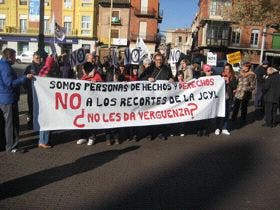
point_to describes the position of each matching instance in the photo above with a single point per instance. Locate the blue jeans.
(44, 137)
(222, 122)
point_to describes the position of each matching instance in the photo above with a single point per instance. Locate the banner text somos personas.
(74, 104)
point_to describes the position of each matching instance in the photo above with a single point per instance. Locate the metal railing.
(148, 38)
(145, 12)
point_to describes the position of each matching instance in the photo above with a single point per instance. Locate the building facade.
(180, 39)
(145, 15)
(217, 33)
(19, 30)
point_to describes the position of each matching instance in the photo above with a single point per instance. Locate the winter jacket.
(96, 77)
(246, 84)
(48, 67)
(34, 69)
(230, 87)
(9, 83)
(162, 73)
(271, 88)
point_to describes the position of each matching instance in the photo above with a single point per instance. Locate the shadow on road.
(31, 182)
(197, 183)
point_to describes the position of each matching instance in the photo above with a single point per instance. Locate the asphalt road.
(241, 171)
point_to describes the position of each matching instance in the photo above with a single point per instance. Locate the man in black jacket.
(260, 72)
(158, 71)
(271, 96)
(34, 69)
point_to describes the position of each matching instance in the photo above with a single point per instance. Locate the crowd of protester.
(261, 85)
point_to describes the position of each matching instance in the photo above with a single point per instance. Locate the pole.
(41, 37)
(263, 43)
(110, 24)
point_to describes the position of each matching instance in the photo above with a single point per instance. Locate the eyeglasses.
(158, 59)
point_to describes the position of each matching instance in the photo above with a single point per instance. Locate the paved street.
(217, 172)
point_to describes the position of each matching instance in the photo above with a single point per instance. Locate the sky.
(177, 13)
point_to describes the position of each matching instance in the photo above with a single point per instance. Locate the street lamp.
(41, 38)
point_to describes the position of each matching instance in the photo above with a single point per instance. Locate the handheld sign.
(234, 58)
(174, 55)
(78, 57)
(127, 56)
(211, 59)
(135, 56)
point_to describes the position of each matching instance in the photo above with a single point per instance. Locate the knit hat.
(206, 68)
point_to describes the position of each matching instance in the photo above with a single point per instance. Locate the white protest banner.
(211, 59)
(75, 104)
(78, 57)
(174, 55)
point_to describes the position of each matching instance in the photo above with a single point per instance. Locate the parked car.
(25, 57)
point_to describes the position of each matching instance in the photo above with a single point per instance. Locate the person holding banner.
(89, 74)
(246, 84)
(34, 69)
(158, 71)
(46, 71)
(9, 97)
(231, 85)
(204, 125)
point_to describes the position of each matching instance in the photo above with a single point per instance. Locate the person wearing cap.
(271, 95)
(243, 94)
(260, 72)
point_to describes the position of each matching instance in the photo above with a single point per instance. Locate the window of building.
(86, 47)
(186, 38)
(115, 33)
(47, 2)
(86, 22)
(217, 35)
(22, 2)
(22, 47)
(86, 3)
(2, 24)
(143, 30)
(218, 7)
(23, 25)
(235, 36)
(116, 17)
(67, 3)
(179, 39)
(255, 38)
(46, 26)
(68, 27)
(144, 6)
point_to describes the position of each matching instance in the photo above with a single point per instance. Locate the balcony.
(133, 37)
(116, 3)
(15, 30)
(116, 21)
(150, 13)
